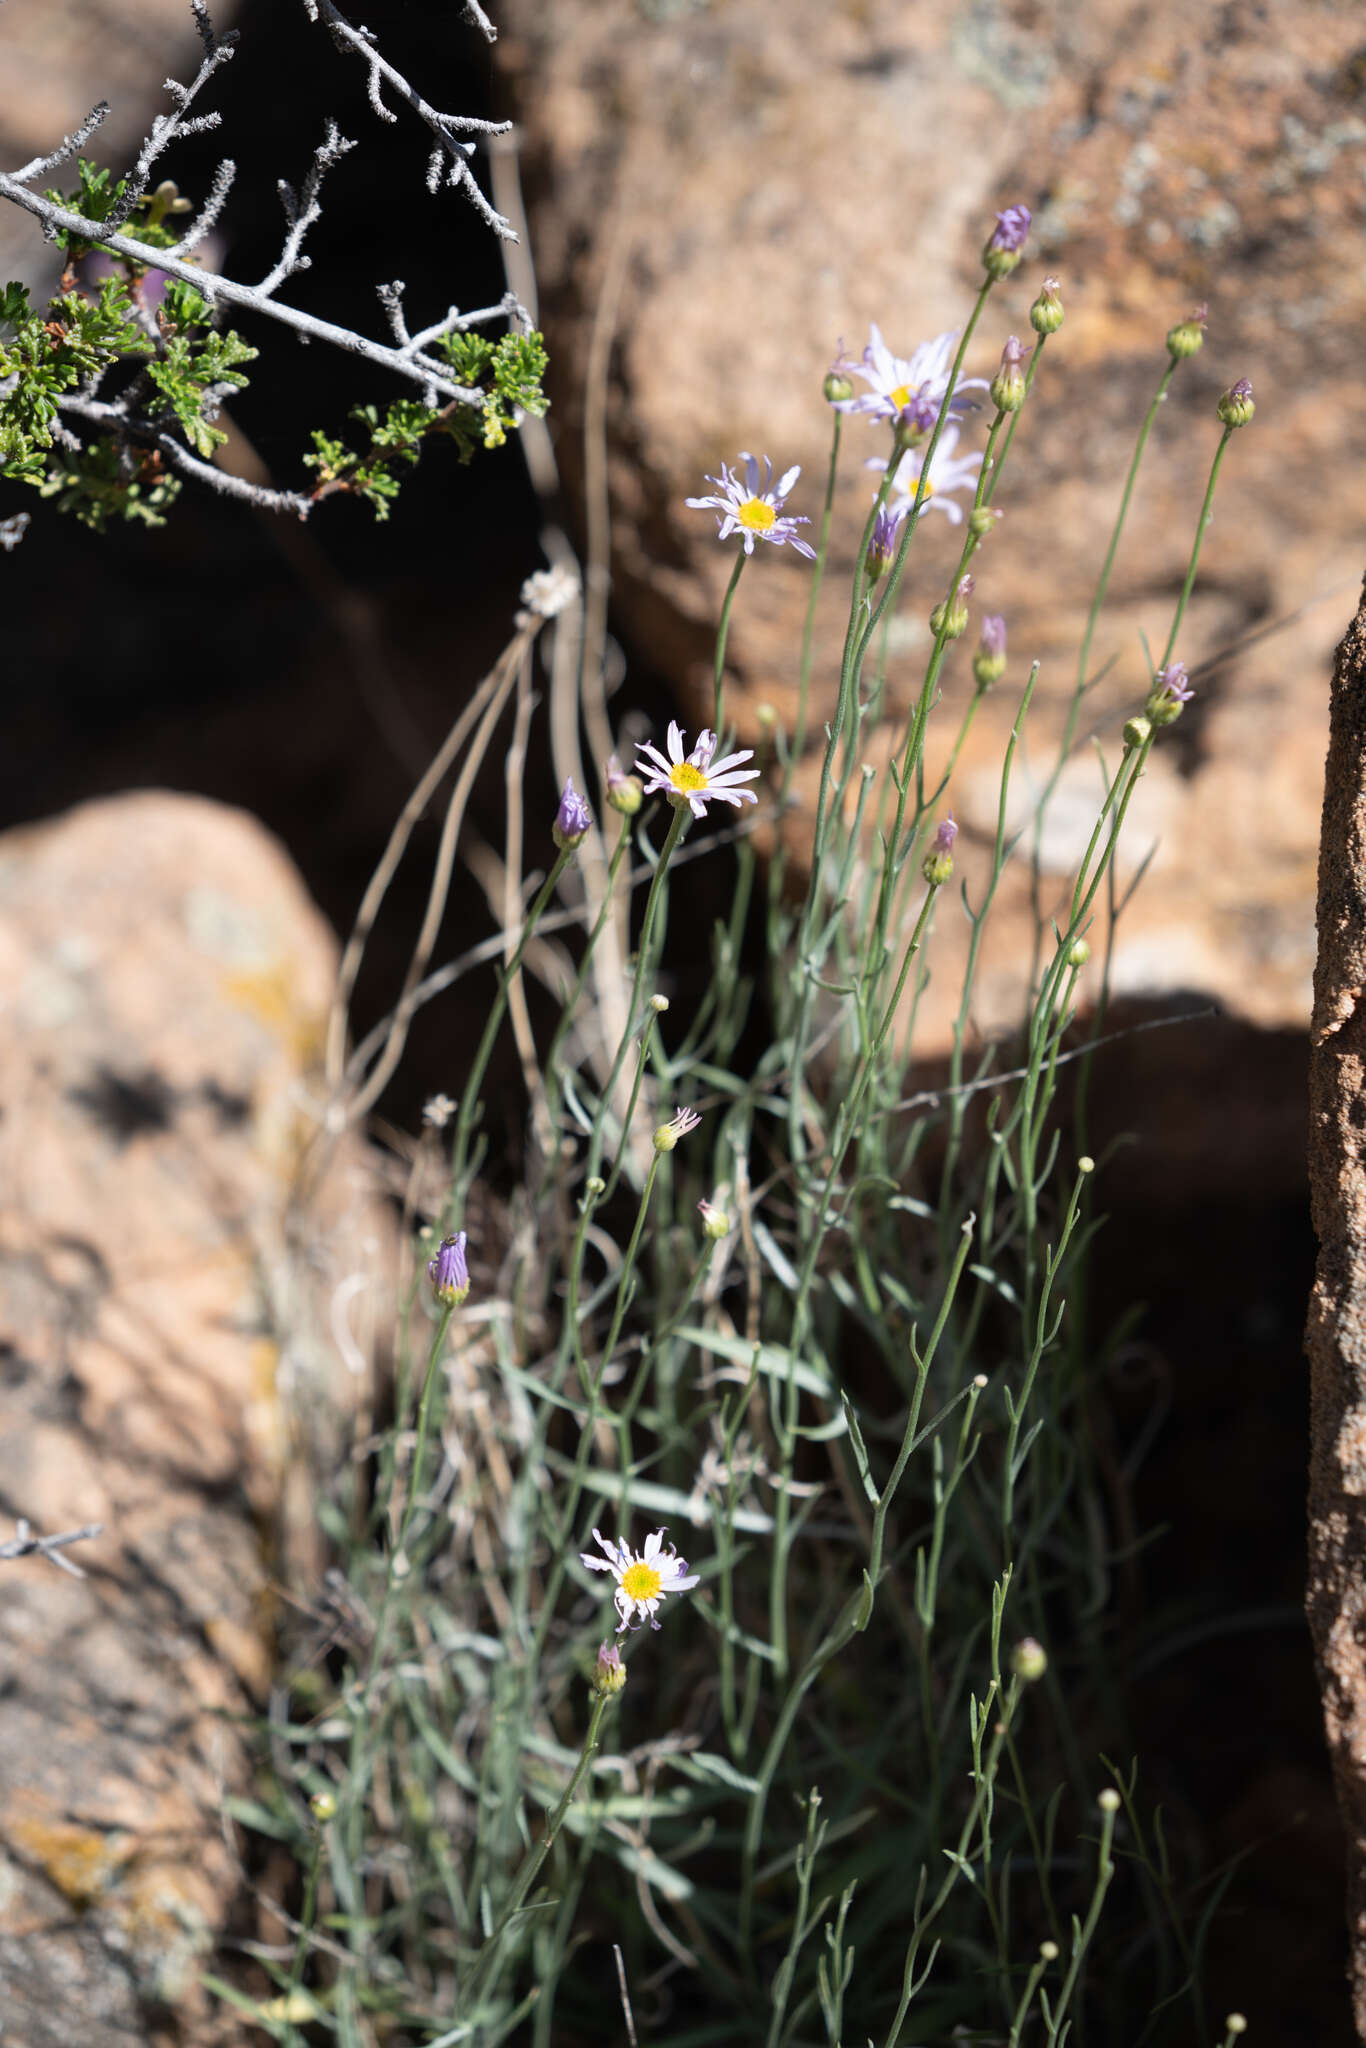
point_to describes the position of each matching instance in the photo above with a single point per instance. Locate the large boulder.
(169, 1308)
(757, 182)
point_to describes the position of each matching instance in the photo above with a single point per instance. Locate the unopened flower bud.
(1045, 315)
(1235, 408)
(982, 520)
(1049, 1951)
(1086, 1164)
(1137, 732)
(938, 862)
(609, 1672)
(594, 1186)
(625, 793)
(572, 820)
(715, 1222)
(1187, 338)
(949, 621)
(1236, 2023)
(323, 1806)
(448, 1273)
(1109, 1800)
(882, 545)
(1005, 245)
(659, 1004)
(989, 662)
(1170, 693)
(1078, 953)
(765, 717)
(667, 1135)
(1008, 385)
(838, 386)
(1029, 1660)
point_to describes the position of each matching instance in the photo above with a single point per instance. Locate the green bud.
(1235, 408)
(1137, 732)
(982, 520)
(1046, 315)
(837, 387)
(715, 1222)
(1188, 337)
(609, 1673)
(1008, 385)
(949, 621)
(1078, 953)
(1109, 1800)
(1029, 1660)
(625, 793)
(323, 1806)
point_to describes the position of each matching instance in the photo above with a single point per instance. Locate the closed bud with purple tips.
(1235, 408)
(949, 621)
(989, 662)
(609, 1672)
(1005, 245)
(886, 533)
(1046, 315)
(625, 793)
(1008, 385)
(448, 1272)
(938, 862)
(573, 820)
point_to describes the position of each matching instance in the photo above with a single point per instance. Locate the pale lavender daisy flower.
(752, 508)
(947, 473)
(644, 1577)
(697, 780)
(907, 390)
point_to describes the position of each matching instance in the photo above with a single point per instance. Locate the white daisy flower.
(907, 390)
(643, 1578)
(698, 779)
(948, 473)
(752, 508)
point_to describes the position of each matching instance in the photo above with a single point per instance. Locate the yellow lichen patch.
(81, 1862)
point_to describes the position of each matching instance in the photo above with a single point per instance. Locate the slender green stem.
(722, 635)
(535, 1856)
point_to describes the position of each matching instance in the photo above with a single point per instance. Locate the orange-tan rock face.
(771, 179)
(163, 982)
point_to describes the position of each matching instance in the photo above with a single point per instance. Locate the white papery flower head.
(948, 473)
(696, 780)
(643, 1577)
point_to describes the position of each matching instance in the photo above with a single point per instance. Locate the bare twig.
(451, 155)
(166, 127)
(25, 1544)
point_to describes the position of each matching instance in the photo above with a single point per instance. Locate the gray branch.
(406, 363)
(450, 155)
(68, 146)
(301, 210)
(166, 127)
(25, 1544)
(230, 486)
(476, 17)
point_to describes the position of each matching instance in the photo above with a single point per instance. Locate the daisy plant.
(826, 1318)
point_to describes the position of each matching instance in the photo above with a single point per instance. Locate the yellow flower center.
(914, 486)
(757, 515)
(641, 1581)
(685, 778)
(901, 397)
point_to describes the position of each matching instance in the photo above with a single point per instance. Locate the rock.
(769, 180)
(59, 58)
(164, 982)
